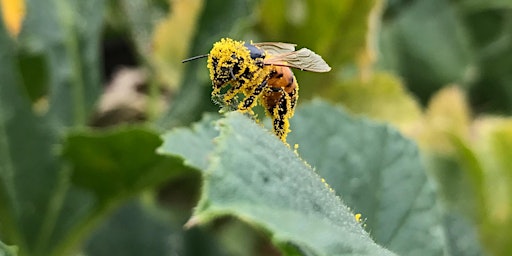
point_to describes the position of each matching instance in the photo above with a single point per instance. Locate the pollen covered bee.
(261, 72)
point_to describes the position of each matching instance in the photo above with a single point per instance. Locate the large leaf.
(118, 163)
(377, 172)
(254, 176)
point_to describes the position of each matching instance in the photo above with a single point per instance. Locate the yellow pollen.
(357, 216)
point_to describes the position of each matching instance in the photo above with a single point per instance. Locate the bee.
(262, 73)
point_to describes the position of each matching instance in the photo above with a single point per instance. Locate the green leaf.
(34, 73)
(67, 34)
(377, 172)
(254, 176)
(196, 143)
(429, 51)
(29, 170)
(489, 4)
(194, 95)
(6, 250)
(494, 153)
(458, 190)
(132, 230)
(33, 183)
(462, 236)
(118, 163)
(107, 168)
(492, 32)
(140, 228)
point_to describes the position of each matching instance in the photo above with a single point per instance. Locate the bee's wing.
(273, 48)
(303, 59)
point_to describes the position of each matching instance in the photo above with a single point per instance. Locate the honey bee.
(261, 72)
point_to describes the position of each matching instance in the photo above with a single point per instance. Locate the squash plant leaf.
(118, 163)
(255, 177)
(377, 172)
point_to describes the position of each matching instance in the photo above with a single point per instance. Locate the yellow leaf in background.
(493, 144)
(368, 55)
(172, 39)
(447, 115)
(13, 12)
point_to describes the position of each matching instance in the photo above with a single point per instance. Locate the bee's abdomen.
(282, 77)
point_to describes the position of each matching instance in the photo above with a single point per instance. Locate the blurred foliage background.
(438, 70)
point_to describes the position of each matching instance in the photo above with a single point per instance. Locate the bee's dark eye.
(255, 51)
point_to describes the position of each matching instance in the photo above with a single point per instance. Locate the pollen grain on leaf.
(358, 216)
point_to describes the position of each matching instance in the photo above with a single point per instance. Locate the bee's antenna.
(194, 58)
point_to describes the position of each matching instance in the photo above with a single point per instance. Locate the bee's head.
(227, 61)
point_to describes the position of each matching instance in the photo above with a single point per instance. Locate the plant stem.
(74, 57)
(53, 210)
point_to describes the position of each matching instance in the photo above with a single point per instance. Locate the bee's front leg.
(251, 99)
(232, 92)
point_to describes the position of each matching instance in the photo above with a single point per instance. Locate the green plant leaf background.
(432, 73)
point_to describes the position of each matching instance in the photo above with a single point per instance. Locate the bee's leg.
(233, 77)
(232, 91)
(250, 100)
(235, 87)
(281, 114)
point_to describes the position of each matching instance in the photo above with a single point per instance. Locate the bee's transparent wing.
(303, 59)
(274, 48)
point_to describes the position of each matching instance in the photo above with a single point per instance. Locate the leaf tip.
(192, 222)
